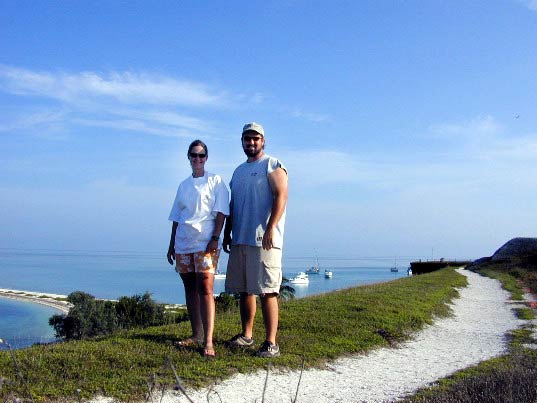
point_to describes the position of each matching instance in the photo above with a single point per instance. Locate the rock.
(516, 248)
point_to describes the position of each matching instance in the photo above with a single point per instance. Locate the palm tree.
(286, 291)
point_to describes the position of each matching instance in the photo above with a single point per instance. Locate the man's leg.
(269, 307)
(247, 310)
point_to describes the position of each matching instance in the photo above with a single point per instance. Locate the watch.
(215, 238)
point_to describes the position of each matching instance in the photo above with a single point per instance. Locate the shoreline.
(42, 298)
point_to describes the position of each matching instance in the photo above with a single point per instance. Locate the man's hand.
(212, 246)
(267, 238)
(171, 255)
(226, 243)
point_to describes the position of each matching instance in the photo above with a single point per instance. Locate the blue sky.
(409, 128)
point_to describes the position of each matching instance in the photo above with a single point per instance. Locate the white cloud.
(309, 116)
(478, 127)
(123, 87)
(485, 138)
(49, 118)
(122, 101)
(531, 4)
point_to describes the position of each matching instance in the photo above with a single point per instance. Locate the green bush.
(226, 302)
(139, 311)
(90, 317)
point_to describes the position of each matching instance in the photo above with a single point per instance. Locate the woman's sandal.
(209, 352)
(188, 342)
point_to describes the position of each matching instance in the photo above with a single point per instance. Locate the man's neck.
(256, 157)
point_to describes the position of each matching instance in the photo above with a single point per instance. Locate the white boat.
(328, 273)
(219, 275)
(300, 278)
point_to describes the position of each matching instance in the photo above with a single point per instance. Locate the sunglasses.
(249, 138)
(194, 155)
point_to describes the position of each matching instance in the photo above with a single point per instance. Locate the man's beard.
(252, 152)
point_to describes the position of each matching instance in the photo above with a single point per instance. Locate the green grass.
(315, 329)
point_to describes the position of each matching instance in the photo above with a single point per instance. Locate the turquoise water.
(24, 323)
(112, 275)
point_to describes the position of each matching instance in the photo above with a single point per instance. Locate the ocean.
(110, 275)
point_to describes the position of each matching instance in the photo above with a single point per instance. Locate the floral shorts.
(197, 262)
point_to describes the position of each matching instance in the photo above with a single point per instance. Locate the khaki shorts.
(197, 262)
(254, 270)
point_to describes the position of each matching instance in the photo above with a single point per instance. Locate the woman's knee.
(189, 281)
(205, 283)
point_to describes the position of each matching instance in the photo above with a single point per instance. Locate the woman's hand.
(171, 255)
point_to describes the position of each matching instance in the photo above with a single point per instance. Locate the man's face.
(252, 143)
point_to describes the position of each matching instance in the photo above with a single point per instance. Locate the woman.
(198, 214)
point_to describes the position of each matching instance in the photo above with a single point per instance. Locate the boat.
(394, 269)
(300, 278)
(219, 275)
(327, 273)
(315, 268)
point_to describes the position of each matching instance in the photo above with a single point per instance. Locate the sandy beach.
(476, 332)
(51, 300)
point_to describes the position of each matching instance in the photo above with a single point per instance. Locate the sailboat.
(394, 269)
(315, 268)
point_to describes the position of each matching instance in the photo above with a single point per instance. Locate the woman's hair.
(197, 143)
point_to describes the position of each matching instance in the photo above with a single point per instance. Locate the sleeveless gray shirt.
(251, 202)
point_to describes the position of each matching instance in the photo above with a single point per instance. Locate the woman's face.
(197, 157)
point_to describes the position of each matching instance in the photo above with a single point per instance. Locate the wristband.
(215, 238)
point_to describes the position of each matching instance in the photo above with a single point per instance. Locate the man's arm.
(226, 242)
(278, 184)
(171, 248)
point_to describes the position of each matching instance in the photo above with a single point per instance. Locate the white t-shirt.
(196, 205)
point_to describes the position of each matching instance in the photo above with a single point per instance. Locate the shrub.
(139, 311)
(90, 317)
(226, 302)
(87, 318)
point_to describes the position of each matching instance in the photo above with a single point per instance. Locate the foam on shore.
(56, 301)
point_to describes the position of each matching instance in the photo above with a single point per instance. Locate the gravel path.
(475, 333)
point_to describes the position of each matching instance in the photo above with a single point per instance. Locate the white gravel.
(476, 332)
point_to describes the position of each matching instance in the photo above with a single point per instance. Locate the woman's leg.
(205, 285)
(193, 305)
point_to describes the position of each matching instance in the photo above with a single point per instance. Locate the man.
(256, 221)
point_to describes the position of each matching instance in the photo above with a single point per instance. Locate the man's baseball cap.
(252, 126)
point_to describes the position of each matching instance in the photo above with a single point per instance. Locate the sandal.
(188, 342)
(208, 352)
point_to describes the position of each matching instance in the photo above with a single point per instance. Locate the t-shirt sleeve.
(174, 213)
(274, 164)
(222, 197)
